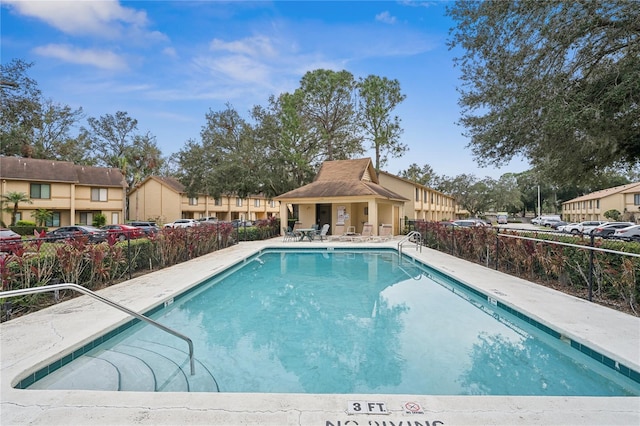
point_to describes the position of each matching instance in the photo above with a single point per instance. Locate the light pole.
(539, 212)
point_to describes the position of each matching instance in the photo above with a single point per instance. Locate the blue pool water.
(361, 322)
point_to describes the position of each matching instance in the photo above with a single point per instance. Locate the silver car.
(630, 233)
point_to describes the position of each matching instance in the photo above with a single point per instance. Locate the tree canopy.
(555, 82)
(378, 97)
(116, 143)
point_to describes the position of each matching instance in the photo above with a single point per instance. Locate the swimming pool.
(362, 321)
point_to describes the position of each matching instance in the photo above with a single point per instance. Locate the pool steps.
(144, 367)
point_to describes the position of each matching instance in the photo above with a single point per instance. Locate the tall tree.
(52, 137)
(20, 105)
(226, 160)
(117, 144)
(378, 96)
(470, 193)
(328, 104)
(424, 175)
(506, 194)
(556, 82)
(291, 150)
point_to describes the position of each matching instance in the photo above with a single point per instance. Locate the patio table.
(306, 232)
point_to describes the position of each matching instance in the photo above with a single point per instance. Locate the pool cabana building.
(344, 192)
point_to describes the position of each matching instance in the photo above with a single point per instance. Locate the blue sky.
(167, 63)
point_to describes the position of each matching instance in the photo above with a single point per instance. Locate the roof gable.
(168, 182)
(347, 170)
(344, 178)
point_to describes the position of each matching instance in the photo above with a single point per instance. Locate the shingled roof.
(38, 170)
(622, 189)
(344, 178)
(170, 182)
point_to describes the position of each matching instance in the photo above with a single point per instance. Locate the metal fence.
(37, 262)
(606, 271)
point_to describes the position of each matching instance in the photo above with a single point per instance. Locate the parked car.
(630, 233)
(123, 232)
(181, 223)
(538, 219)
(583, 227)
(241, 223)
(95, 235)
(469, 222)
(549, 221)
(566, 227)
(502, 218)
(607, 230)
(557, 225)
(208, 220)
(147, 227)
(9, 240)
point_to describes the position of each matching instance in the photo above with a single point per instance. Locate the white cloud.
(170, 51)
(386, 18)
(252, 46)
(105, 18)
(98, 58)
(419, 3)
(237, 68)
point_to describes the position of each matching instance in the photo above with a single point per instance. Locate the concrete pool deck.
(31, 342)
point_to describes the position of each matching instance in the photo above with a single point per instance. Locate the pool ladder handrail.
(83, 290)
(418, 240)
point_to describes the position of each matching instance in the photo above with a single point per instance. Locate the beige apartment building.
(423, 203)
(624, 198)
(163, 200)
(74, 194)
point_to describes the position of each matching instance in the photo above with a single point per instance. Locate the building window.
(86, 218)
(590, 204)
(40, 190)
(193, 201)
(272, 204)
(636, 199)
(417, 194)
(256, 203)
(98, 194)
(54, 220)
(238, 202)
(218, 202)
(597, 204)
(18, 217)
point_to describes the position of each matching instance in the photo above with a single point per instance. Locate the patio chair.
(322, 234)
(350, 234)
(338, 234)
(289, 234)
(367, 228)
(385, 234)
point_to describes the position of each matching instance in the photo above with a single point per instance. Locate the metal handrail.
(406, 238)
(80, 289)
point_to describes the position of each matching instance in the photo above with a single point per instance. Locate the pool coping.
(31, 342)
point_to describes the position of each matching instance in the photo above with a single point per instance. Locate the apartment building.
(74, 194)
(423, 203)
(623, 198)
(163, 200)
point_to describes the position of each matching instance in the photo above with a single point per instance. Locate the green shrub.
(27, 230)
